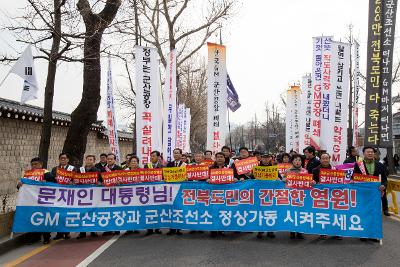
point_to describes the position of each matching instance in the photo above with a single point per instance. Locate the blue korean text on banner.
(352, 210)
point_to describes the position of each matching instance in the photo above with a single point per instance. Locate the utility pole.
(350, 125)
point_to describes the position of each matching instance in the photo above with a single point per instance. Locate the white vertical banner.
(336, 144)
(289, 120)
(326, 94)
(111, 121)
(184, 130)
(188, 120)
(296, 118)
(356, 78)
(305, 112)
(147, 97)
(179, 126)
(216, 97)
(169, 118)
(316, 77)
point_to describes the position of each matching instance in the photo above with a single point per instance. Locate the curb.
(12, 243)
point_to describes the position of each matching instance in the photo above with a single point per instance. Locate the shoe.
(363, 239)
(374, 240)
(292, 235)
(157, 231)
(271, 235)
(323, 237)
(338, 238)
(200, 232)
(106, 233)
(300, 236)
(129, 232)
(221, 233)
(260, 235)
(137, 232)
(171, 232)
(45, 242)
(149, 232)
(67, 236)
(178, 232)
(386, 213)
(58, 236)
(116, 232)
(93, 234)
(213, 234)
(81, 235)
(192, 232)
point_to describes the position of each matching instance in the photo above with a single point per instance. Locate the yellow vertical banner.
(174, 174)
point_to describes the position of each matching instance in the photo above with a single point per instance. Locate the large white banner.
(111, 122)
(316, 77)
(179, 126)
(169, 125)
(305, 112)
(188, 120)
(289, 120)
(327, 96)
(216, 97)
(340, 80)
(356, 98)
(148, 92)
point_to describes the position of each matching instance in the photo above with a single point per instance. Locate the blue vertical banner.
(352, 210)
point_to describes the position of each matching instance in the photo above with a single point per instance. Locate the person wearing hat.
(266, 160)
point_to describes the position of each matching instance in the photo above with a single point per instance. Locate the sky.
(269, 47)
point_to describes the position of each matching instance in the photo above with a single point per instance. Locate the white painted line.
(98, 251)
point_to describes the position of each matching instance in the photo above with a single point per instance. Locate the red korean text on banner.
(282, 167)
(246, 165)
(86, 178)
(131, 176)
(327, 176)
(64, 176)
(197, 172)
(36, 175)
(362, 178)
(299, 180)
(221, 176)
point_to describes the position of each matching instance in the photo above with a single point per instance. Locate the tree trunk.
(86, 112)
(45, 136)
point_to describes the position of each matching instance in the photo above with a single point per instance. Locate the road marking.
(30, 254)
(98, 251)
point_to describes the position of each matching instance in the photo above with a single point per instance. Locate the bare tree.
(86, 112)
(40, 26)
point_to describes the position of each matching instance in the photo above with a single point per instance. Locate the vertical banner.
(327, 96)
(387, 41)
(169, 118)
(356, 98)
(111, 122)
(340, 81)
(216, 97)
(289, 119)
(233, 97)
(372, 93)
(179, 126)
(184, 129)
(147, 95)
(187, 137)
(305, 112)
(296, 117)
(316, 77)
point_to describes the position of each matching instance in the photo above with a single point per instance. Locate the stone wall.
(19, 143)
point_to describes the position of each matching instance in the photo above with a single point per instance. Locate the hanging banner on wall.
(216, 97)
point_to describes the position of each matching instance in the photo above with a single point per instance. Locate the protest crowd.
(236, 169)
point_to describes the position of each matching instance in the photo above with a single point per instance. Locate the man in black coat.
(370, 166)
(311, 160)
(102, 163)
(352, 155)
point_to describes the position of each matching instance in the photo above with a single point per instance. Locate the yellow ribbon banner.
(174, 174)
(265, 172)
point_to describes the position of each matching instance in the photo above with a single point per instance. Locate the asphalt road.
(246, 250)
